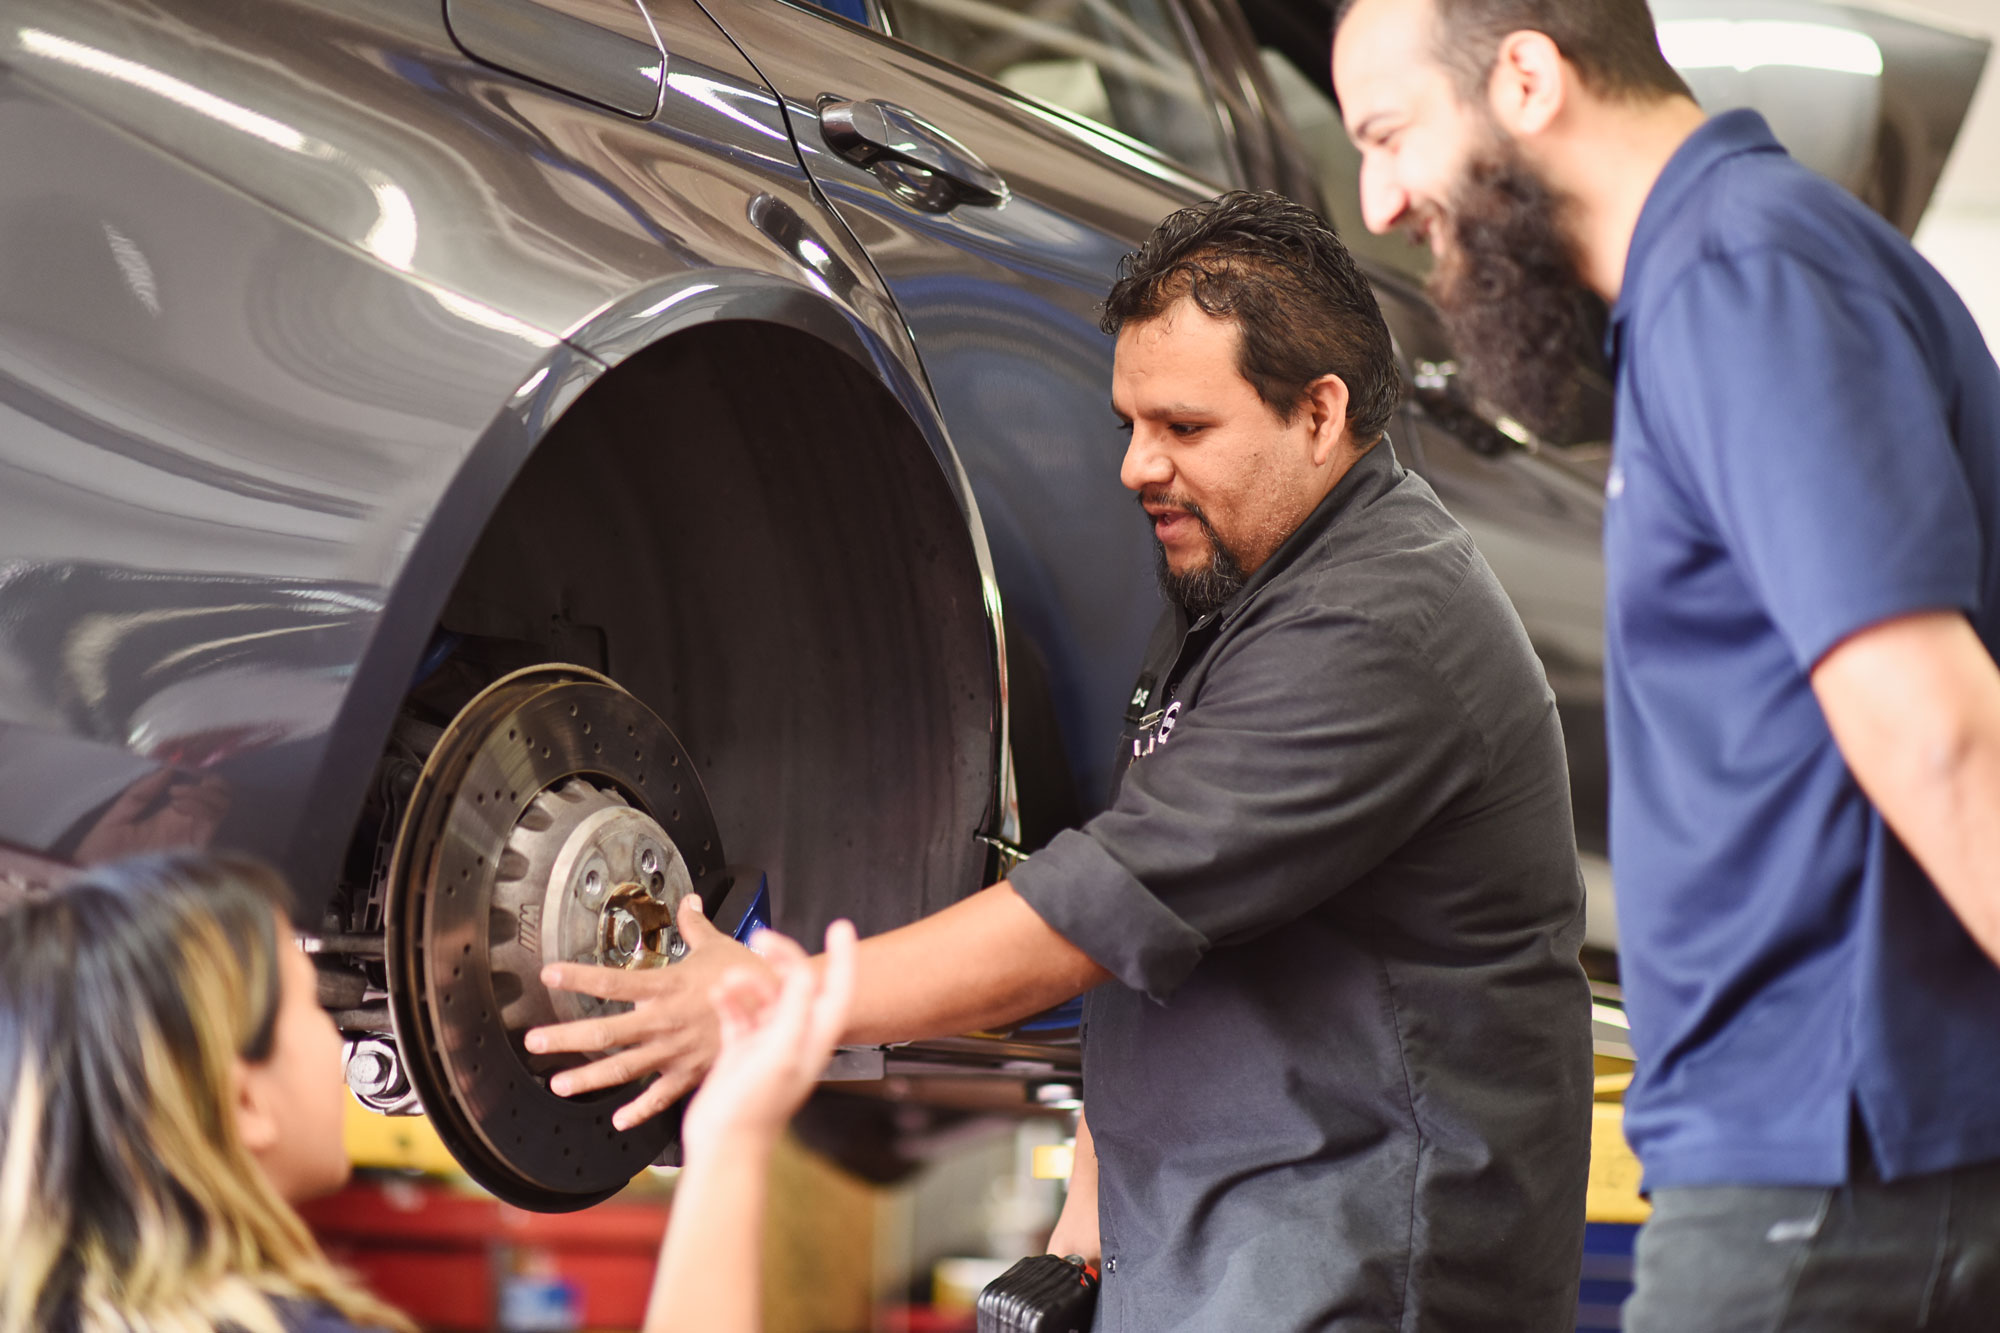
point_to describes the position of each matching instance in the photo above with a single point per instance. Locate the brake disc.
(558, 819)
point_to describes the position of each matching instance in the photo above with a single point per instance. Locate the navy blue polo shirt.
(1807, 444)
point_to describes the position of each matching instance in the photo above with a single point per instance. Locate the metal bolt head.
(371, 1071)
(593, 890)
(649, 861)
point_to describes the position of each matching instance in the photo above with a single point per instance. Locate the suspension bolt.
(372, 1070)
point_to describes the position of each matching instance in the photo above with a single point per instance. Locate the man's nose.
(1145, 464)
(1383, 200)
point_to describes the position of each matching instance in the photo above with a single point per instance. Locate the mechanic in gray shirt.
(1340, 1075)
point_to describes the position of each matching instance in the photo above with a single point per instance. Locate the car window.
(1122, 64)
(1338, 165)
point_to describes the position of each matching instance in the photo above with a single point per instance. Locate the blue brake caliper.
(757, 916)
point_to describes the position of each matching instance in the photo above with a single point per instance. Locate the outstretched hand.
(777, 1021)
(778, 1025)
(671, 1029)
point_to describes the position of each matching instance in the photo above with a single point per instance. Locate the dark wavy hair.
(1612, 43)
(1279, 273)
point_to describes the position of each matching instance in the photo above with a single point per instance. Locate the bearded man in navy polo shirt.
(1802, 542)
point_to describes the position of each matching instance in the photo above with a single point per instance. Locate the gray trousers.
(1869, 1256)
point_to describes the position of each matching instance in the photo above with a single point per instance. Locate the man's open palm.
(671, 1029)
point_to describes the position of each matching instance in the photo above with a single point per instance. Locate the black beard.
(1511, 296)
(1208, 586)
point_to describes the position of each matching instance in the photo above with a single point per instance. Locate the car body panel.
(607, 52)
(201, 395)
(288, 327)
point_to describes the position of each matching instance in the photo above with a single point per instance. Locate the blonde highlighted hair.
(128, 1201)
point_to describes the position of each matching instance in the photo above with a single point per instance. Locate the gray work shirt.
(1342, 1080)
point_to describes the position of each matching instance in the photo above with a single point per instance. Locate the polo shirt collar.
(1719, 138)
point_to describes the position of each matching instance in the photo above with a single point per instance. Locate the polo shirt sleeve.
(1804, 415)
(1318, 745)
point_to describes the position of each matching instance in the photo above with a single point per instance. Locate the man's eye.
(1125, 427)
(1184, 428)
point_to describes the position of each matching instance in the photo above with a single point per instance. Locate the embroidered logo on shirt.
(1155, 729)
(1142, 695)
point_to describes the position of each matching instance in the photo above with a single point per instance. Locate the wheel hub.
(557, 820)
(599, 881)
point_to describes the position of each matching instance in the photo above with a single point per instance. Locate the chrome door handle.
(875, 134)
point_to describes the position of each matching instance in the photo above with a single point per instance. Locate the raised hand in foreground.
(670, 1030)
(777, 1027)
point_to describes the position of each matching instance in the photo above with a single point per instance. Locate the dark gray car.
(516, 462)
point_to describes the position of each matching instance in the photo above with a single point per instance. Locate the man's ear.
(1529, 84)
(256, 1116)
(1326, 400)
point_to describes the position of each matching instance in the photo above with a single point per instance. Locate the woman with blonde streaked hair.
(169, 1088)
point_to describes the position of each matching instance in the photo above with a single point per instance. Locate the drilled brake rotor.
(557, 819)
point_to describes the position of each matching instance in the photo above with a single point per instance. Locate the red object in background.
(439, 1254)
(925, 1319)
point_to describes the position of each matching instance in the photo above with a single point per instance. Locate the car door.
(995, 159)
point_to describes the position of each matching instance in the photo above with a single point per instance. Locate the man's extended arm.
(979, 963)
(987, 960)
(1914, 705)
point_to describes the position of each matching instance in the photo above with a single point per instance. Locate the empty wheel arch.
(741, 527)
(738, 542)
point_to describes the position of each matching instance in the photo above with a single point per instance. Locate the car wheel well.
(745, 529)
